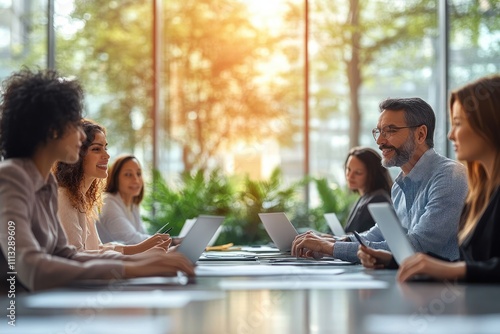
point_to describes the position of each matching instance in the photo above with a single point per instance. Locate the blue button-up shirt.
(429, 202)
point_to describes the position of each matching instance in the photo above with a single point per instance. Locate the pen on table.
(161, 228)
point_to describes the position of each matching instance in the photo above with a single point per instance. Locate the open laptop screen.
(198, 236)
(334, 224)
(394, 233)
(280, 229)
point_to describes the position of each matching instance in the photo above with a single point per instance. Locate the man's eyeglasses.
(388, 131)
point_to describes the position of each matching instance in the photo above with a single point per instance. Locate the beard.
(402, 154)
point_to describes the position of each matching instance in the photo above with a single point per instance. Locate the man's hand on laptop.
(333, 237)
(311, 245)
(374, 258)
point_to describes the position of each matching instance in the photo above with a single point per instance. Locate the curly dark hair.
(35, 107)
(112, 183)
(70, 176)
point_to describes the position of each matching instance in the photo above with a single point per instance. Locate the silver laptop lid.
(394, 233)
(280, 229)
(334, 223)
(198, 236)
(190, 222)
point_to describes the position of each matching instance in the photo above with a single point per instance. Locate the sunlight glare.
(267, 13)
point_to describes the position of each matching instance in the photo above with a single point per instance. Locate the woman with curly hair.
(80, 187)
(40, 114)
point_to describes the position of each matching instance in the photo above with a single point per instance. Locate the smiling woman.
(80, 188)
(96, 160)
(120, 219)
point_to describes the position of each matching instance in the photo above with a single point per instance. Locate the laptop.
(280, 229)
(334, 223)
(189, 223)
(394, 233)
(198, 236)
(186, 227)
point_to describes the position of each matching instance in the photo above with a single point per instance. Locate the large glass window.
(361, 53)
(197, 84)
(23, 35)
(474, 41)
(109, 46)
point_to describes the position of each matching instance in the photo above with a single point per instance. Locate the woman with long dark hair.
(365, 175)
(120, 219)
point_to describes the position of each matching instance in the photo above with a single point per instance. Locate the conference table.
(260, 296)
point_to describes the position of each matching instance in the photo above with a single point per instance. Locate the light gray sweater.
(119, 224)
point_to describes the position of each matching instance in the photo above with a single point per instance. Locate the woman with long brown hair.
(366, 176)
(120, 219)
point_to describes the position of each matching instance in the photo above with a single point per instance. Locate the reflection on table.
(261, 298)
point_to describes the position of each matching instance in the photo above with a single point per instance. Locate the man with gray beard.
(428, 194)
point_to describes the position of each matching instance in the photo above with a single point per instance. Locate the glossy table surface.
(351, 300)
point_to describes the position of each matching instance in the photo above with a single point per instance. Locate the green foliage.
(333, 199)
(240, 201)
(194, 194)
(261, 196)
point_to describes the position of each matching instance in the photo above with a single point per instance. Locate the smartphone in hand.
(359, 238)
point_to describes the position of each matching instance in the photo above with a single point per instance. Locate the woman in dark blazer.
(365, 175)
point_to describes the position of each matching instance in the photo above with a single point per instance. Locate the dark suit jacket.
(360, 219)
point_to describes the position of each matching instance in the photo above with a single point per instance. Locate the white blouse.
(117, 223)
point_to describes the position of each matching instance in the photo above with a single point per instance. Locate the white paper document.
(307, 262)
(260, 249)
(263, 270)
(118, 284)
